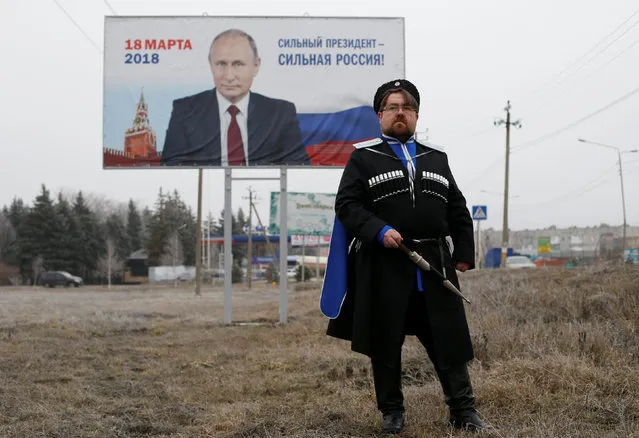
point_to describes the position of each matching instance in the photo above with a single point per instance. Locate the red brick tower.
(139, 139)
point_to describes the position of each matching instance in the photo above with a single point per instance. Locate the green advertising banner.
(307, 213)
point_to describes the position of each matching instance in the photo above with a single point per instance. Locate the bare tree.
(98, 203)
(110, 263)
(103, 206)
(37, 267)
(15, 280)
(174, 256)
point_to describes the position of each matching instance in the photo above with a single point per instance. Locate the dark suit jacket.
(193, 135)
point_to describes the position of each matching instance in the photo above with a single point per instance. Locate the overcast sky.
(567, 67)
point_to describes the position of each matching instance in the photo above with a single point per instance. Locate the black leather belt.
(420, 244)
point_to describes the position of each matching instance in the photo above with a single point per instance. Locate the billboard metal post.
(228, 241)
(198, 235)
(303, 257)
(283, 249)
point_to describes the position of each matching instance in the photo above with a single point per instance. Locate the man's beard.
(402, 135)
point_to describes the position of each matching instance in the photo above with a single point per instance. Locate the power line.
(483, 172)
(78, 26)
(474, 134)
(614, 58)
(573, 124)
(563, 198)
(106, 2)
(596, 55)
(567, 196)
(575, 193)
(577, 61)
(610, 61)
(545, 137)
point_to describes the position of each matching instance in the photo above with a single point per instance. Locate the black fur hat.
(394, 85)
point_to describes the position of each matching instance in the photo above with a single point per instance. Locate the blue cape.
(336, 275)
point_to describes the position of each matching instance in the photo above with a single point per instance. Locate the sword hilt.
(419, 260)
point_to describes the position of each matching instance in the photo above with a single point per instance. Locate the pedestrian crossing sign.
(479, 212)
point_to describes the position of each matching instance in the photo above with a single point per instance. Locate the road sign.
(479, 212)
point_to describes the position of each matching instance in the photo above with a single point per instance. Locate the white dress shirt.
(225, 120)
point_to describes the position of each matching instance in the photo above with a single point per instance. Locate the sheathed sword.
(423, 264)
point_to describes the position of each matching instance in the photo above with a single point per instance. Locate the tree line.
(84, 235)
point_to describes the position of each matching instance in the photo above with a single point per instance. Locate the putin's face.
(234, 66)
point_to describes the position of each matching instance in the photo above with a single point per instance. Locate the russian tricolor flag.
(329, 137)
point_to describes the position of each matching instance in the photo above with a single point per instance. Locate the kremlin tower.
(139, 143)
(139, 139)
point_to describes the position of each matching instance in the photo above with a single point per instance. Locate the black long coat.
(375, 191)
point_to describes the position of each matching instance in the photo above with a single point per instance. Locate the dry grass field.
(557, 356)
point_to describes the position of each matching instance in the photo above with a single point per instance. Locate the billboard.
(243, 91)
(307, 213)
(631, 255)
(543, 245)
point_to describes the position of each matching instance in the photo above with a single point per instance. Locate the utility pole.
(209, 246)
(270, 249)
(623, 203)
(303, 256)
(249, 270)
(508, 123)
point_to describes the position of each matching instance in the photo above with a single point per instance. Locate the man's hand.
(460, 266)
(392, 239)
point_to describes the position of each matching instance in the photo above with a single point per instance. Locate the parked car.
(185, 276)
(59, 278)
(519, 262)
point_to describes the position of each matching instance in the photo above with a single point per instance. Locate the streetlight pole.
(623, 196)
(504, 235)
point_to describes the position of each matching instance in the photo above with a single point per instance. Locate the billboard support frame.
(228, 242)
(283, 247)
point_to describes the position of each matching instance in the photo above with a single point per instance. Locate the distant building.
(587, 243)
(136, 267)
